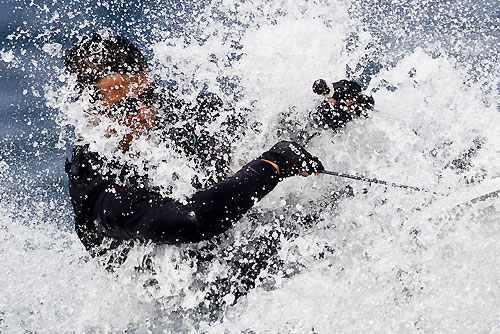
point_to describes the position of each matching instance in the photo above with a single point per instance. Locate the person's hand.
(292, 159)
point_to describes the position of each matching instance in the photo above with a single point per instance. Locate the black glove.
(292, 159)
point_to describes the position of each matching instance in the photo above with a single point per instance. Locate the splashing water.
(382, 260)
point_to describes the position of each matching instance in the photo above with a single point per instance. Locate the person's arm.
(124, 214)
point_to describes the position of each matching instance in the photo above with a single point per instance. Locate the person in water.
(115, 205)
(108, 207)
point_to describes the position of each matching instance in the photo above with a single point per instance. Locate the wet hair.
(97, 56)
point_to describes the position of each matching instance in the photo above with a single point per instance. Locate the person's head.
(116, 73)
(111, 66)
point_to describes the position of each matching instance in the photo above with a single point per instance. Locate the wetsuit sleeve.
(124, 215)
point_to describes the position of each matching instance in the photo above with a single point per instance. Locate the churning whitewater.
(373, 259)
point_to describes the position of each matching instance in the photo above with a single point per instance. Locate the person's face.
(115, 87)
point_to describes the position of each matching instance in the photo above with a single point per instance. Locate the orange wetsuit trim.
(272, 163)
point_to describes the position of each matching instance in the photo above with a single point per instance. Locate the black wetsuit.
(120, 207)
(109, 214)
(105, 208)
